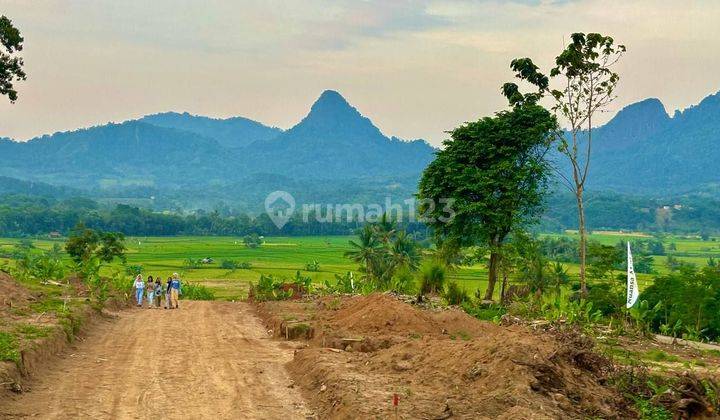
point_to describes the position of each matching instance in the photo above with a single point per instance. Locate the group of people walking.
(153, 291)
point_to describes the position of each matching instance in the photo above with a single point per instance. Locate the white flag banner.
(632, 287)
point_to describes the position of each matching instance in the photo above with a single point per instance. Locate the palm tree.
(366, 250)
(404, 252)
(386, 228)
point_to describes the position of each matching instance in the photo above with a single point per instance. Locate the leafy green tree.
(584, 70)
(89, 249)
(495, 173)
(85, 244)
(11, 65)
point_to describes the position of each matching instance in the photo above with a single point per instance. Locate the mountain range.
(334, 154)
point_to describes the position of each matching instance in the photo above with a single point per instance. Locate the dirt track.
(205, 360)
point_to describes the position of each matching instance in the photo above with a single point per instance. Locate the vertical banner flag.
(632, 286)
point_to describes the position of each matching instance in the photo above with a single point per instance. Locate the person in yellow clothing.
(175, 291)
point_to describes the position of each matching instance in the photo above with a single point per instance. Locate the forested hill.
(235, 160)
(644, 151)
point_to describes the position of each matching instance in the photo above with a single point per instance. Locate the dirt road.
(205, 360)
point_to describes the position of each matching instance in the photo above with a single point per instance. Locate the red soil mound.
(447, 364)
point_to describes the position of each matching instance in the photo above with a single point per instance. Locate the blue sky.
(416, 68)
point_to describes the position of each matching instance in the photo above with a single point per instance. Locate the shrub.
(403, 282)
(312, 266)
(253, 240)
(194, 291)
(229, 265)
(269, 288)
(432, 277)
(454, 294)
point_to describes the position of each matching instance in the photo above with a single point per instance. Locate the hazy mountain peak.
(331, 104)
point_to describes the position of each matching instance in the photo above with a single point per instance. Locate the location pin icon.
(279, 206)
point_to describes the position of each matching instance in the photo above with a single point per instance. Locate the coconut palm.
(366, 250)
(404, 252)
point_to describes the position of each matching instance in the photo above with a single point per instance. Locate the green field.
(283, 256)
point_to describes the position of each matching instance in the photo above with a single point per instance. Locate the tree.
(365, 250)
(85, 244)
(494, 172)
(11, 65)
(588, 83)
(89, 249)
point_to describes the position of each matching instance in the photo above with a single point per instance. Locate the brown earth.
(441, 364)
(205, 360)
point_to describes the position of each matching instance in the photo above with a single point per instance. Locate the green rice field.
(283, 256)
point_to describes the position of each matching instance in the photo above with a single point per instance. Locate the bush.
(454, 294)
(235, 265)
(269, 288)
(253, 240)
(403, 282)
(485, 312)
(432, 277)
(312, 266)
(194, 291)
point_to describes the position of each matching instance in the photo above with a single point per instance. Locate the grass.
(32, 332)
(283, 256)
(9, 350)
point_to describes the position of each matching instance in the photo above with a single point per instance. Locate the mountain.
(131, 153)
(334, 141)
(236, 132)
(334, 153)
(644, 151)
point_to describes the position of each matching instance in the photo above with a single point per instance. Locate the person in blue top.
(175, 291)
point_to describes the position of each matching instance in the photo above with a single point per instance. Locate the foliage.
(403, 282)
(235, 265)
(312, 266)
(687, 302)
(269, 288)
(382, 250)
(89, 250)
(454, 294)
(432, 277)
(9, 350)
(195, 291)
(11, 65)
(490, 176)
(343, 284)
(253, 240)
(588, 83)
(85, 244)
(133, 270)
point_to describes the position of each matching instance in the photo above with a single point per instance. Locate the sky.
(416, 68)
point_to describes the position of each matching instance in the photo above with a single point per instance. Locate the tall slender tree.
(587, 82)
(11, 65)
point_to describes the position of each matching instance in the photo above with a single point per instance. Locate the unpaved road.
(206, 360)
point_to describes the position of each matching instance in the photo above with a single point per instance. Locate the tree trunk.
(583, 240)
(493, 268)
(503, 288)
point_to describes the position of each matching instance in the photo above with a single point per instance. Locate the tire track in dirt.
(205, 360)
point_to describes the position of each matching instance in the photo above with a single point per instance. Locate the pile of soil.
(444, 364)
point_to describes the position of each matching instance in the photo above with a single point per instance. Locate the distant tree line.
(32, 216)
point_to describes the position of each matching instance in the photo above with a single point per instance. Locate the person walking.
(175, 291)
(150, 288)
(167, 293)
(139, 286)
(158, 291)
